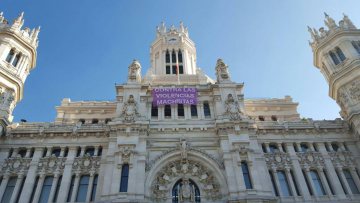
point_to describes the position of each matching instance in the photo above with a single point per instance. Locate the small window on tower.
(168, 70)
(181, 69)
(167, 111)
(181, 110)
(167, 57)
(10, 55)
(173, 57)
(16, 60)
(180, 57)
(274, 118)
(174, 71)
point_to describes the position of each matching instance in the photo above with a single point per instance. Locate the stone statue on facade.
(183, 148)
(222, 72)
(129, 110)
(232, 108)
(186, 192)
(134, 72)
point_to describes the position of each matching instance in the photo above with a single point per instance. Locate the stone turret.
(17, 58)
(337, 55)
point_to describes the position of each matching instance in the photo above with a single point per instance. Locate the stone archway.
(204, 172)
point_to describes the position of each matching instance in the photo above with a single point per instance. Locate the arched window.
(356, 45)
(273, 147)
(177, 187)
(284, 184)
(180, 62)
(334, 58)
(194, 113)
(124, 178)
(82, 190)
(304, 147)
(180, 58)
(16, 60)
(246, 175)
(340, 54)
(173, 57)
(167, 111)
(154, 111)
(207, 112)
(319, 188)
(180, 110)
(10, 55)
(45, 191)
(351, 182)
(9, 190)
(90, 151)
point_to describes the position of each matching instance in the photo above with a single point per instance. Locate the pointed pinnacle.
(1, 13)
(326, 15)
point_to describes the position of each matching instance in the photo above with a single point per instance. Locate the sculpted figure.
(134, 72)
(222, 72)
(183, 147)
(232, 108)
(129, 111)
(186, 192)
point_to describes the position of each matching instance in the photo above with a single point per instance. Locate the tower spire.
(19, 21)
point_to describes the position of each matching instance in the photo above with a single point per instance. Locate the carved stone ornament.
(86, 163)
(342, 158)
(125, 153)
(134, 72)
(232, 108)
(354, 91)
(51, 164)
(15, 165)
(222, 72)
(311, 159)
(185, 170)
(129, 111)
(277, 160)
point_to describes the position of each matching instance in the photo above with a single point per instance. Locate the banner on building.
(173, 95)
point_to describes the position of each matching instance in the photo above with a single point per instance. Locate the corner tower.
(337, 55)
(17, 58)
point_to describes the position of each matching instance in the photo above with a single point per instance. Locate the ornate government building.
(175, 135)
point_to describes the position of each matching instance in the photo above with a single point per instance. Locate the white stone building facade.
(224, 148)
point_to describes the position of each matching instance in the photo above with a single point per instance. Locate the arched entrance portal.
(185, 190)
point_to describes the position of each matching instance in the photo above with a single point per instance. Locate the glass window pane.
(284, 185)
(167, 70)
(351, 182)
(319, 189)
(180, 57)
(173, 57)
(57, 189)
(246, 175)
(124, 178)
(93, 191)
(194, 111)
(154, 111)
(167, 111)
(82, 190)
(167, 57)
(181, 112)
(71, 188)
(9, 190)
(334, 58)
(207, 109)
(45, 191)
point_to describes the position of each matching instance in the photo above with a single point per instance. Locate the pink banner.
(173, 95)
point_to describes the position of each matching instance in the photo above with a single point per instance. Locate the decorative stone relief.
(134, 72)
(232, 108)
(342, 158)
(51, 164)
(15, 165)
(277, 160)
(86, 163)
(185, 169)
(354, 91)
(222, 72)
(129, 111)
(125, 153)
(311, 159)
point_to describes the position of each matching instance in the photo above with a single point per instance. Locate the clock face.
(172, 40)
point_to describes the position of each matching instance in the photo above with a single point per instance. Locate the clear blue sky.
(86, 47)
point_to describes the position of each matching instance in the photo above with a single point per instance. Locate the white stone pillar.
(290, 181)
(343, 180)
(201, 112)
(31, 176)
(324, 182)
(297, 172)
(240, 178)
(28, 151)
(96, 151)
(62, 151)
(312, 186)
(13, 57)
(48, 152)
(276, 179)
(355, 177)
(279, 146)
(39, 188)
(91, 182)
(67, 175)
(267, 147)
(17, 188)
(82, 152)
(140, 174)
(76, 187)
(3, 185)
(53, 187)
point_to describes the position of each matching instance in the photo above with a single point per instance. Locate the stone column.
(39, 188)
(312, 186)
(333, 177)
(279, 147)
(276, 179)
(343, 180)
(96, 151)
(297, 172)
(355, 177)
(229, 170)
(76, 187)
(62, 152)
(140, 175)
(291, 182)
(3, 185)
(82, 152)
(89, 190)
(67, 175)
(324, 182)
(31, 176)
(239, 171)
(53, 187)
(13, 57)
(17, 188)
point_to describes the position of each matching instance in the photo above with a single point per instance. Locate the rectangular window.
(9, 190)
(351, 182)
(124, 178)
(174, 71)
(181, 69)
(167, 111)
(168, 70)
(154, 111)
(82, 190)
(45, 191)
(57, 189)
(307, 183)
(273, 184)
(246, 175)
(207, 113)
(284, 184)
(194, 111)
(180, 110)
(71, 188)
(319, 188)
